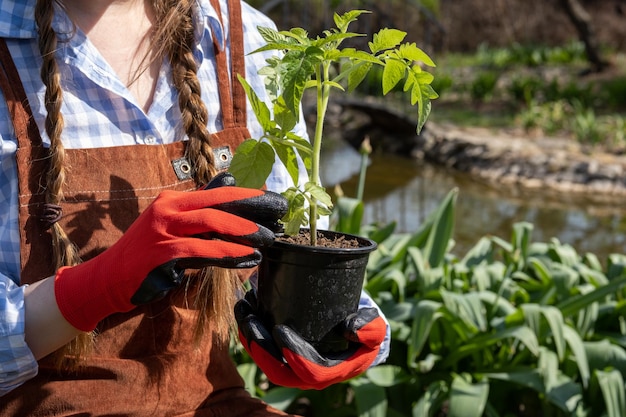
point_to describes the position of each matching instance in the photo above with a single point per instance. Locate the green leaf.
(271, 35)
(248, 374)
(297, 214)
(574, 304)
(522, 232)
(356, 56)
(604, 354)
(382, 233)
(357, 75)
(260, 109)
(251, 153)
(576, 345)
(349, 215)
(554, 318)
(479, 253)
(296, 69)
(281, 397)
(411, 52)
(300, 35)
(386, 39)
(425, 315)
(387, 375)
(423, 111)
(467, 399)
(482, 341)
(370, 399)
(612, 386)
(283, 116)
(393, 72)
(318, 193)
(429, 402)
(441, 233)
(343, 21)
(466, 307)
(303, 147)
(529, 379)
(287, 156)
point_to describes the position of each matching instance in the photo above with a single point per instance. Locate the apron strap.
(232, 94)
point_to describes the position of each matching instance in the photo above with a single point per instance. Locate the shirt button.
(150, 140)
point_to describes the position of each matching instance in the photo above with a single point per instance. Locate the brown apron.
(145, 362)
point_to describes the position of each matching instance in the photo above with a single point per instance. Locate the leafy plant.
(512, 328)
(322, 64)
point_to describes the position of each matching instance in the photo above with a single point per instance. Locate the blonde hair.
(172, 38)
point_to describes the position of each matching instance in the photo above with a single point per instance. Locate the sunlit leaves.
(386, 39)
(320, 63)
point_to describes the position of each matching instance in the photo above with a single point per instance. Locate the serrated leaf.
(386, 39)
(252, 153)
(393, 72)
(303, 147)
(422, 113)
(299, 34)
(334, 40)
(287, 156)
(343, 21)
(260, 109)
(411, 52)
(334, 84)
(296, 69)
(296, 215)
(318, 193)
(359, 56)
(357, 74)
(284, 117)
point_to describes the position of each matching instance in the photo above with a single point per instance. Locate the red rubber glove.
(289, 360)
(178, 230)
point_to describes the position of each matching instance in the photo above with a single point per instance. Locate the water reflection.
(406, 191)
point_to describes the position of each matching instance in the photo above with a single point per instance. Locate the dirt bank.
(508, 157)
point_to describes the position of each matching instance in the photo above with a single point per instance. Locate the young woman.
(118, 234)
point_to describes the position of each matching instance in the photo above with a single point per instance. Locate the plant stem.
(365, 150)
(323, 93)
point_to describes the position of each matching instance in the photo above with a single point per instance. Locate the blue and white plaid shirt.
(99, 111)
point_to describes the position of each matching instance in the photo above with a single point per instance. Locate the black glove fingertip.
(223, 179)
(254, 331)
(158, 283)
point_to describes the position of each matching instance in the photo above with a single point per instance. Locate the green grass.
(516, 87)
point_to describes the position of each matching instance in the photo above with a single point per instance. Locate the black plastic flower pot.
(312, 289)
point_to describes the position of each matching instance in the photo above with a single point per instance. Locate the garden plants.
(511, 328)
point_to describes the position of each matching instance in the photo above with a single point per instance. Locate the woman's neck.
(120, 30)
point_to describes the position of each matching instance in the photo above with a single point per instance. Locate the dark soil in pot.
(313, 289)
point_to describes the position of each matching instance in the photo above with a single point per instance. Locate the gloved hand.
(218, 226)
(289, 360)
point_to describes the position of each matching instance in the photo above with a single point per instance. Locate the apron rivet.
(182, 168)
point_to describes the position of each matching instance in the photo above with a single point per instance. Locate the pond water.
(407, 191)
